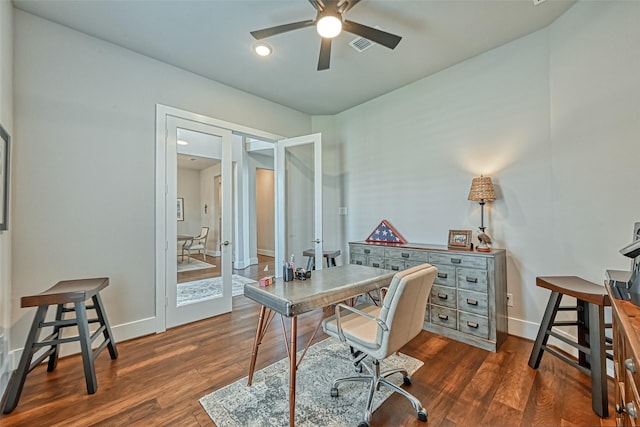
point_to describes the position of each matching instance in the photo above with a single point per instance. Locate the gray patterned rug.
(193, 264)
(266, 402)
(208, 288)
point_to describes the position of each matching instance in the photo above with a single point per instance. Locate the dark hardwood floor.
(158, 379)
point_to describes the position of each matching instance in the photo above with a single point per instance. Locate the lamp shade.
(482, 190)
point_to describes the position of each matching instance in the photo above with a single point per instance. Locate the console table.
(468, 299)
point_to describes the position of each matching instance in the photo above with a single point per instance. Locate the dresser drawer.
(394, 264)
(473, 302)
(472, 279)
(358, 259)
(473, 324)
(443, 316)
(458, 260)
(376, 262)
(443, 295)
(366, 250)
(406, 254)
(446, 276)
(409, 264)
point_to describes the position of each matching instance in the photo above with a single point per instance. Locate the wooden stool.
(65, 292)
(329, 255)
(592, 344)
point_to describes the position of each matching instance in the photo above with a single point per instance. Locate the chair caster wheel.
(334, 392)
(363, 424)
(406, 380)
(422, 415)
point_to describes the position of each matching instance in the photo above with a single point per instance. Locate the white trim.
(266, 252)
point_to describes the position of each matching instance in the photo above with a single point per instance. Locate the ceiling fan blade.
(268, 32)
(346, 5)
(377, 36)
(325, 54)
(317, 4)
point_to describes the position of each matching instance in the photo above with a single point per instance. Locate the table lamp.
(482, 191)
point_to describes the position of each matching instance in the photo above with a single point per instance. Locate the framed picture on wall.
(460, 239)
(180, 209)
(4, 179)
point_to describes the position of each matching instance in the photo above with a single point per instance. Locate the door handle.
(316, 241)
(226, 243)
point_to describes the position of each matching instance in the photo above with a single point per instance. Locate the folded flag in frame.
(385, 233)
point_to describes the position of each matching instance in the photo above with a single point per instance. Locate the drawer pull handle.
(443, 296)
(456, 261)
(443, 317)
(375, 264)
(472, 301)
(404, 255)
(367, 251)
(442, 275)
(472, 279)
(472, 325)
(395, 268)
(630, 364)
(359, 262)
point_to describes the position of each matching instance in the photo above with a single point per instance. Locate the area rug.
(193, 264)
(208, 288)
(266, 402)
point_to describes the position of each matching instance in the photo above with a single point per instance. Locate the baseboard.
(266, 252)
(121, 333)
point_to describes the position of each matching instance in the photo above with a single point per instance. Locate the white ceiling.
(211, 38)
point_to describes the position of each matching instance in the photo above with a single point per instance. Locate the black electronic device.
(633, 284)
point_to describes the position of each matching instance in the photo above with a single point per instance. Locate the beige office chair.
(198, 243)
(379, 331)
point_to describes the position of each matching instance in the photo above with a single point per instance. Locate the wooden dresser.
(626, 359)
(468, 299)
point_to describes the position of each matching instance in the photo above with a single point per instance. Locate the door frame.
(161, 189)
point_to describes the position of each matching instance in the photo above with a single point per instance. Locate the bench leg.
(16, 382)
(55, 349)
(599, 396)
(84, 336)
(102, 317)
(545, 326)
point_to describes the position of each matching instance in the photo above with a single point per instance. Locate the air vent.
(361, 44)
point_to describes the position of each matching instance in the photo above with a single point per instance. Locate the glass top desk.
(290, 299)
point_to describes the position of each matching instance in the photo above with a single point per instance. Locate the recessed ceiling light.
(181, 142)
(262, 49)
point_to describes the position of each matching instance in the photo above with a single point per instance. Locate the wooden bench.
(592, 345)
(75, 292)
(330, 256)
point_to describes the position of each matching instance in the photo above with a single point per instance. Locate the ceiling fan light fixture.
(329, 25)
(262, 49)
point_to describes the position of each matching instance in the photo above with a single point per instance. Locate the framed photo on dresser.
(460, 239)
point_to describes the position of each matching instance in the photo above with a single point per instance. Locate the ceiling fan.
(330, 22)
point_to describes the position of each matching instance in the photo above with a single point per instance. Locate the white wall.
(265, 212)
(189, 190)
(553, 117)
(6, 119)
(85, 168)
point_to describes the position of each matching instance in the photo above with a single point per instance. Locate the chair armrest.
(340, 306)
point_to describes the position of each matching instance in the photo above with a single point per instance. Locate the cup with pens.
(287, 269)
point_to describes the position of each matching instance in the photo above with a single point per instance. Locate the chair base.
(375, 379)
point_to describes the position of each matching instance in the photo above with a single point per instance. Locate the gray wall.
(85, 163)
(553, 117)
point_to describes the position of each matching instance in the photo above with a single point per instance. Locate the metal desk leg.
(256, 343)
(600, 401)
(293, 362)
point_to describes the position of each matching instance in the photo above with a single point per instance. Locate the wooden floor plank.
(158, 379)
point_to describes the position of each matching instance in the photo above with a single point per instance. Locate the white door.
(215, 143)
(299, 200)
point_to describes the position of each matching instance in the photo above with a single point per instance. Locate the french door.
(299, 199)
(214, 143)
